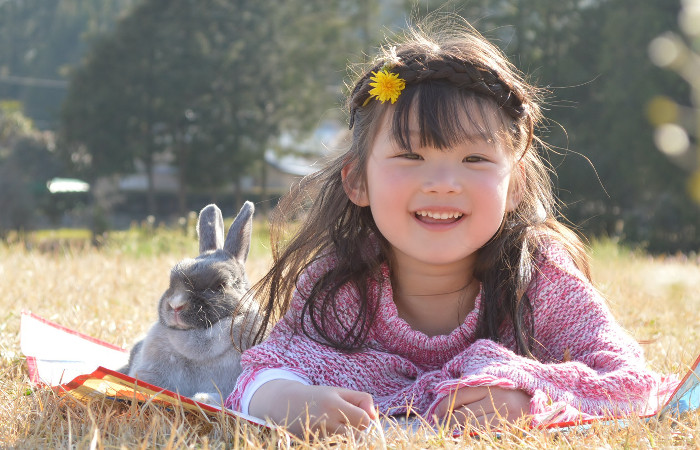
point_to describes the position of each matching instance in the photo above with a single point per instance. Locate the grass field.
(111, 294)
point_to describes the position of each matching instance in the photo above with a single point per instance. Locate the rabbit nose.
(177, 302)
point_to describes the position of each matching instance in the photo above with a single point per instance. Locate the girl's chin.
(433, 257)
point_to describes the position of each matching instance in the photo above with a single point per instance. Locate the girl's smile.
(433, 217)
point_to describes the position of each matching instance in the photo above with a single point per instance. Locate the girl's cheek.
(387, 176)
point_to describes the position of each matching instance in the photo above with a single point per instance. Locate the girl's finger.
(460, 397)
(367, 405)
(343, 421)
(361, 400)
(355, 417)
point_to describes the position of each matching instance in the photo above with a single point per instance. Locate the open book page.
(687, 395)
(61, 354)
(85, 368)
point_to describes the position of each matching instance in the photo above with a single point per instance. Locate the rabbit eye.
(217, 288)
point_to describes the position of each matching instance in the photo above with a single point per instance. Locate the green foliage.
(13, 125)
(27, 161)
(604, 248)
(38, 39)
(142, 239)
(62, 234)
(146, 240)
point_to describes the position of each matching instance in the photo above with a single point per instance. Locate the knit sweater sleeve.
(277, 351)
(586, 365)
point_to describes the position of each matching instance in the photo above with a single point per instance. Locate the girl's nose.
(442, 179)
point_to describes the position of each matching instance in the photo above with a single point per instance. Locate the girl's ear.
(352, 185)
(515, 188)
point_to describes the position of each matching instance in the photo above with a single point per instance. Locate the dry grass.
(111, 294)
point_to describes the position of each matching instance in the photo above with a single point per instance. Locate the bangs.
(444, 116)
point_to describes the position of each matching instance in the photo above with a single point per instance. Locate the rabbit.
(190, 350)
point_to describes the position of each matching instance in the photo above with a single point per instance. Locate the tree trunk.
(237, 194)
(181, 185)
(150, 184)
(264, 200)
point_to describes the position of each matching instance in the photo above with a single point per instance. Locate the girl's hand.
(483, 406)
(317, 408)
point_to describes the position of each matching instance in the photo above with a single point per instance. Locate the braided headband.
(387, 81)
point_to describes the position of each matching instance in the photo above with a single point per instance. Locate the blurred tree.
(13, 126)
(280, 72)
(646, 200)
(677, 122)
(211, 83)
(117, 100)
(27, 162)
(38, 39)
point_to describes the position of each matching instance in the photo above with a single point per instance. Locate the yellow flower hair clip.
(387, 86)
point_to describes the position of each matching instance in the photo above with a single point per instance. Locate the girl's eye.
(473, 159)
(410, 155)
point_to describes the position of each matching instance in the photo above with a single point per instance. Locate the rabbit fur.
(191, 349)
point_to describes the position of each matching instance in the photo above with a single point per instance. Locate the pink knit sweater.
(585, 365)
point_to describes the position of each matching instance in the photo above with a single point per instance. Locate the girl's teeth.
(437, 215)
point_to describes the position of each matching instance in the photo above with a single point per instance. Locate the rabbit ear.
(238, 239)
(210, 229)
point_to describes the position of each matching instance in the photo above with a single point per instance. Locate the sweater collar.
(392, 334)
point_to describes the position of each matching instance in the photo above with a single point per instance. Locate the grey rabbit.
(190, 350)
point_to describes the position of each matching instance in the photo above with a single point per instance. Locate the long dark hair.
(453, 69)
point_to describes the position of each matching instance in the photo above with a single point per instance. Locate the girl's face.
(436, 206)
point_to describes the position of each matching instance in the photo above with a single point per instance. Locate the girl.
(431, 275)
